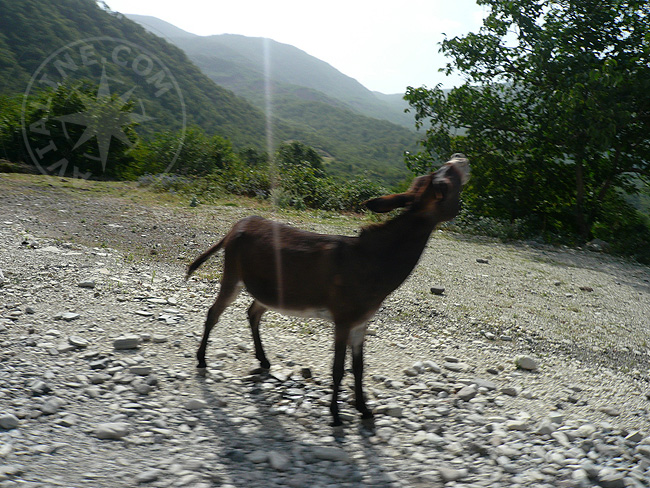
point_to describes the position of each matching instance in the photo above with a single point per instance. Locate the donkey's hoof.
(258, 371)
(367, 426)
(202, 371)
(367, 415)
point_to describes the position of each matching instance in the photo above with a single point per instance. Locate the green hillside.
(313, 99)
(31, 30)
(238, 62)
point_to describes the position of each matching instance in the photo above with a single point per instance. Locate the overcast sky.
(385, 46)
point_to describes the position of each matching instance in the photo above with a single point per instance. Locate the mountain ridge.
(288, 64)
(32, 30)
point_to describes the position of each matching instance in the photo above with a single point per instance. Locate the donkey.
(339, 278)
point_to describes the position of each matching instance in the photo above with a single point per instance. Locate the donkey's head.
(436, 195)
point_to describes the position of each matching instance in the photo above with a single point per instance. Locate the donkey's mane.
(388, 226)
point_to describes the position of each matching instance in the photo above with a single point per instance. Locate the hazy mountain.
(238, 62)
(395, 100)
(317, 103)
(32, 30)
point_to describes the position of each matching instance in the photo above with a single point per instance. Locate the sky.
(386, 46)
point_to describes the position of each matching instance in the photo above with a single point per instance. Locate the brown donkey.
(343, 279)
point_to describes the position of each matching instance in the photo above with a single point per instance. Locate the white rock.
(6, 450)
(585, 430)
(411, 372)
(456, 367)
(527, 362)
(545, 427)
(634, 437)
(644, 450)
(517, 424)
(140, 370)
(52, 406)
(393, 410)
(126, 342)
(467, 393)
(431, 366)
(487, 384)
(278, 461)
(148, 476)
(8, 421)
(258, 457)
(112, 430)
(330, 454)
(451, 474)
(52, 249)
(78, 341)
(610, 478)
(196, 404)
(610, 410)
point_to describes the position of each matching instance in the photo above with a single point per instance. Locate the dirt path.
(85, 263)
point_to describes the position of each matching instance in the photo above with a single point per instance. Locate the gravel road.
(493, 365)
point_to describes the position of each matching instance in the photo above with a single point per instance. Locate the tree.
(12, 147)
(296, 153)
(555, 111)
(252, 157)
(187, 153)
(75, 130)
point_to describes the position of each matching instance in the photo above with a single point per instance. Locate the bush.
(239, 179)
(192, 153)
(626, 229)
(297, 187)
(503, 229)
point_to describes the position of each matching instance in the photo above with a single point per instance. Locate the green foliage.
(351, 144)
(11, 139)
(31, 30)
(554, 114)
(506, 230)
(186, 153)
(297, 184)
(626, 229)
(295, 153)
(73, 131)
(252, 157)
(240, 179)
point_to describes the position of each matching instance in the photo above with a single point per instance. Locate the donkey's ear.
(389, 202)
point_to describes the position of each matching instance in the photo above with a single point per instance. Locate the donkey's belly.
(312, 313)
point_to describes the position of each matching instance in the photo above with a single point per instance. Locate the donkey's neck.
(396, 247)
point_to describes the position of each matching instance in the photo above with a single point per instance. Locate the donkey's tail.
(203, 258)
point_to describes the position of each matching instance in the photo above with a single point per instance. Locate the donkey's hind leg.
(255, 313)
(227, 294)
